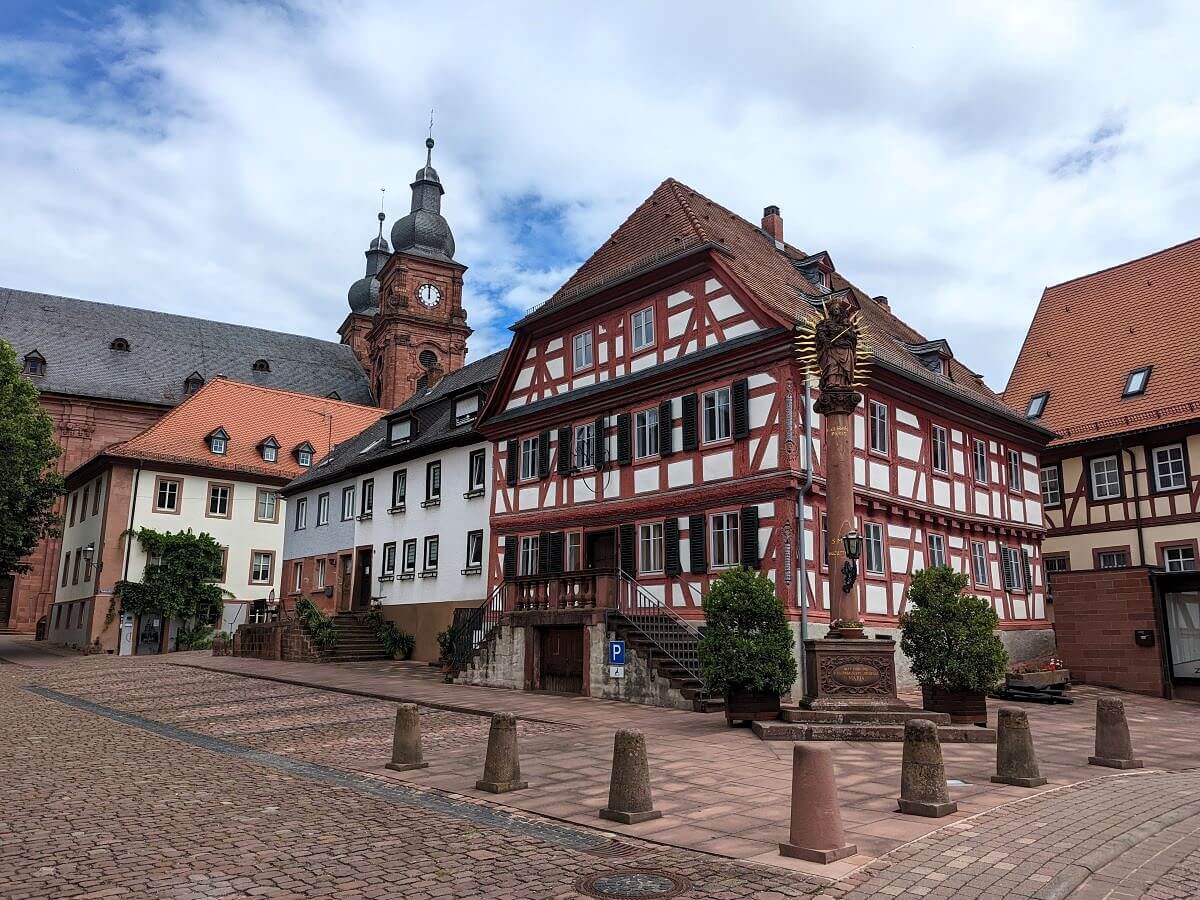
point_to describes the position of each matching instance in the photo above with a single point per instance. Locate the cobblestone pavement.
(139, 779)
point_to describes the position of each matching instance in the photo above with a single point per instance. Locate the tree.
(747, 643)
(29, 483)
(949, 636)
(181, 582)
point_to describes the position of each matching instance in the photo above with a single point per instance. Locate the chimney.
(881, 300)
(772, 223)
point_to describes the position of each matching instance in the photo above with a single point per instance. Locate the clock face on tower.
(429, 295)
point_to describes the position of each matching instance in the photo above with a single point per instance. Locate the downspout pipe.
(800, 532)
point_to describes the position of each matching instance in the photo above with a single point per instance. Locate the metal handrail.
(635, 605)
(476, 628)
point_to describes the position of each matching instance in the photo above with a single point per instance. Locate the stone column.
(838, 451)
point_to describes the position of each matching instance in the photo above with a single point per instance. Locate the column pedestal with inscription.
(850, 675)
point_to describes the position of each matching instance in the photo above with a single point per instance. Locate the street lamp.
(853, 544)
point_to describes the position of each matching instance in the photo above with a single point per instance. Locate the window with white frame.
(878, 426)
(1014, 470)
(643, 328)
(1051, 486)
(726, 540)
(431, 553)
(979, 562)
(301, 513)
(218, 500)
(433, 480)
(387, 565)
(940, 450)
(304, 458)
(399, 488)
(167, 498)
(980, 461)
(347, 503)
(298, 576)
(217, 445)
(574, 551)
(529, 555)
(323, 509)
(319, 576)
(474, 549)
(1105, 475)
(1179, 559)
(646, 433)
(1112, 559)
(585, 445)
(581, 346)
(261, 563)
(650, 547)
(716, 415)
(1170, 470)
(408, 560)
(529, 454)
(368, 497)
(873, 548)
(937, 550)
(476, 470)
(265, 506)
(270, 453)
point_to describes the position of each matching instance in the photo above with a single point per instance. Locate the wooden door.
(344, 591)
(602, 550)
(362, 589)
(6, 595)
(562, 660)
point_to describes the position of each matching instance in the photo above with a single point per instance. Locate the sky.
(225, 160)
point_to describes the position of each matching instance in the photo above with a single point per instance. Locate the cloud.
(224, 159)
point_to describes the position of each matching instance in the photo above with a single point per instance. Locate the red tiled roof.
(250, 414)
(1088, 334)
(675, 217)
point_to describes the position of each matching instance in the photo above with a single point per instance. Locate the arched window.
(119, 344)
(428, 359)
(261, 365)
(34, 364)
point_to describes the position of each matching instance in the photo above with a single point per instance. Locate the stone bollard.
(922, 775)
(502, 769)
(1113, 747)
(629, 800)
(816, 833)
(1016, 762)
(406, 741)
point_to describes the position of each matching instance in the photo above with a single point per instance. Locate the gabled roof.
(75, 337)
(675, 218)
(436, 428)
(1089, 333)
(248, 414)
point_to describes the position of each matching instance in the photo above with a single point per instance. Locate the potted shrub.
(746, 648)
(847, 628)
(949, 637)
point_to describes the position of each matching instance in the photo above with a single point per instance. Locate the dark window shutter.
(598, 454)
(510, 556)
(556, 552)
(671, 566)
(564, 451)
(544, 553)
(1028, 572)
(624, 439)
(741, 408)
(628, 550)
(749, 528)
(691, 437)
(544, 455)
(511, 463)
(665, 432)
(697, 545)
(1006, 562)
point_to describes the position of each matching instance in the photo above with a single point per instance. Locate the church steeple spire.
(424, 232)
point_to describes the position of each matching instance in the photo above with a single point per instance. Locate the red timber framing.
(711, 334)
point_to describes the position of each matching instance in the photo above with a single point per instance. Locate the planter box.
(751, 706)
(1038, 680)
(963, 707)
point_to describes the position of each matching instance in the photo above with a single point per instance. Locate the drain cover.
(613, 849)
(633, 884)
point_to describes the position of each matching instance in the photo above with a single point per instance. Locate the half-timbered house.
(649, 429)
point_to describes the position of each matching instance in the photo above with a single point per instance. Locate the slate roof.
(1089, 333)
(675, 218)
(249, 415)
(436, 429)
(74, 337)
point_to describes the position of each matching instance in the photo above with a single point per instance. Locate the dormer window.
(35, 364)
(933, 355)
(466, 408)
(119, 344)
(304, 455)
(269, 450)
(192, 384)
(218, 441)
(1135, 384)
(261, 365)
(333, 395)
(401, 430)
(1037, 405)
(816, 269)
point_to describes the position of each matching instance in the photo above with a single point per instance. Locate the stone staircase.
(356, 641)
(670, 650)
(822, 725)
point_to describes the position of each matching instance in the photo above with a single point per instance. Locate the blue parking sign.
(616, 653)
